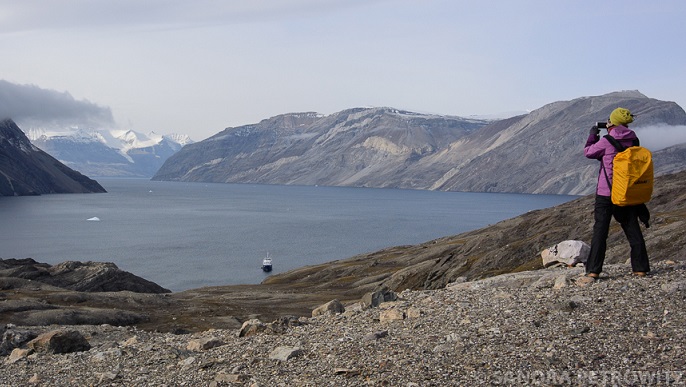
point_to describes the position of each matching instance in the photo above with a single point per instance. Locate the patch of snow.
(181, 139)
(94, 219)
(499, 116)
(121, 140)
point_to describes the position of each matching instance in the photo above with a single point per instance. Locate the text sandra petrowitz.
(586, 377)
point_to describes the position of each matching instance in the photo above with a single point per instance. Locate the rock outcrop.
(78, 276)
(27, 170)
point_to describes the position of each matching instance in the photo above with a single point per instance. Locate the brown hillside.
(510, 245)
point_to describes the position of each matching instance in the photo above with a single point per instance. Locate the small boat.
(267, 264)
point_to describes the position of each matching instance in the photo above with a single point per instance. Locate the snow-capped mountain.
(108, 152)
(27, 170)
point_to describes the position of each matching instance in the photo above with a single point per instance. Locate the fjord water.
(189, 235)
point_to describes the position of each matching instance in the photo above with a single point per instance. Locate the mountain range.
(538, 152)
(105, 152)
(27, 170)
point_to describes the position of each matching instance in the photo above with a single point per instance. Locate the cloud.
(656, 137)
(38, 14)
(31, 104)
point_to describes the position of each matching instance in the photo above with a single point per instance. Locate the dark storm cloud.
(23, 103)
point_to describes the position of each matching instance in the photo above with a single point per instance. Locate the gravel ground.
(531, 328)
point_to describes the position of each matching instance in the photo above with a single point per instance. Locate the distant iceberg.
(94, 219)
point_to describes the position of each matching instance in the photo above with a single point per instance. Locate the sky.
(197, 67)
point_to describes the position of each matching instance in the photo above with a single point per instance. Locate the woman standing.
(601, 149)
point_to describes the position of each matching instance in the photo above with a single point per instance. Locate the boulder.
(252, 327)
(59, 341)
(12, 338)
(331, 307)
(569, 252)
(374, 299)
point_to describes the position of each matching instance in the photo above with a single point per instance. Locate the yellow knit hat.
(621, 116)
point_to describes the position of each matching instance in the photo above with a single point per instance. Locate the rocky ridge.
(77, 276)
(355, 147)
(539, 152)
(534, 327)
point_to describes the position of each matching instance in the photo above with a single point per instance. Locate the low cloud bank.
(29, 104)
(656, 137)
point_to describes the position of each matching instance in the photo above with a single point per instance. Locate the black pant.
(628, 219)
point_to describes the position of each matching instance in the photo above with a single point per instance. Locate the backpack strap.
(615, 143)
(607, 178)
(618, 146)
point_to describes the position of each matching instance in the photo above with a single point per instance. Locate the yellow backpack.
(632, 174)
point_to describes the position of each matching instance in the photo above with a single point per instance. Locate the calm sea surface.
(189, 235)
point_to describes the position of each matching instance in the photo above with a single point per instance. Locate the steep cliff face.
(27, 170)
(540, 152)
(373, 147)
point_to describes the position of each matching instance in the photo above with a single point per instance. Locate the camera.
(601, 125)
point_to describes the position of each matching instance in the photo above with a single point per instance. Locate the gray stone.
(285, 353)
(389, 315)
(375, 336)
(204, 344)
(674, 287)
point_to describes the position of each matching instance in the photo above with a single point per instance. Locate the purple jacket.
(600, 149)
